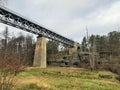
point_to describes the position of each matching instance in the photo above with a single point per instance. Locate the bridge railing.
(11, 18)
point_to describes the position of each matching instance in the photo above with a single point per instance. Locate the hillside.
(62, 78)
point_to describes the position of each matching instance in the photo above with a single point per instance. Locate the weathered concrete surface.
(40, 53)
(74, 49)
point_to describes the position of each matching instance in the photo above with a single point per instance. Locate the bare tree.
(10, 66)
(4, 41)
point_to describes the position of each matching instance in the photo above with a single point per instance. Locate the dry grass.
(57, 78)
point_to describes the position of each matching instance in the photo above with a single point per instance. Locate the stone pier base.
(74, 49)
(40, 53)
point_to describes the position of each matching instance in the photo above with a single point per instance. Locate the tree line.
(103, 43)
(22, 46)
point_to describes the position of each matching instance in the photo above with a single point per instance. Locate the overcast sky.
(70, 17)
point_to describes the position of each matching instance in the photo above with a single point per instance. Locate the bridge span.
(16, 20)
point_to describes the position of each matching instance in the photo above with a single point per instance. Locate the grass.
(61, 78)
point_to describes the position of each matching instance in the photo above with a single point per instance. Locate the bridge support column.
(40, 52)
(74, 49)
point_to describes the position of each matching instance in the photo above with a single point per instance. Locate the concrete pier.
(74, 49)
(40, 53)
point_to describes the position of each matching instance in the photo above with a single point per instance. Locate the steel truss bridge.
(11, 18)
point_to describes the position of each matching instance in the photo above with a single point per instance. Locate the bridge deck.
(11, 18)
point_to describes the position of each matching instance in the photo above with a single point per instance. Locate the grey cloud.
(70, 17)
(91, 6)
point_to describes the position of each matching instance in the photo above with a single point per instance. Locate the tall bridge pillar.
(74, 49)
(40, 52)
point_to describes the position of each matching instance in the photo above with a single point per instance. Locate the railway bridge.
(16, 20)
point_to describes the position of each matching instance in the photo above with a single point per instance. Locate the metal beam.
(11, 18)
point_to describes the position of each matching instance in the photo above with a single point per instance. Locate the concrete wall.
(40, 53)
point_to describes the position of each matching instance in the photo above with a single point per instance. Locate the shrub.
(33, 86)
(105, 76)
(9, 68)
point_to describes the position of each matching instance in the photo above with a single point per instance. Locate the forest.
(109, 42)
(22, 46)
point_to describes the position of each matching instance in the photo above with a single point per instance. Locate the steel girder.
(13, 19)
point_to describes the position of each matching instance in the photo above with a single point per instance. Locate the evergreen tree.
(84, 44)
